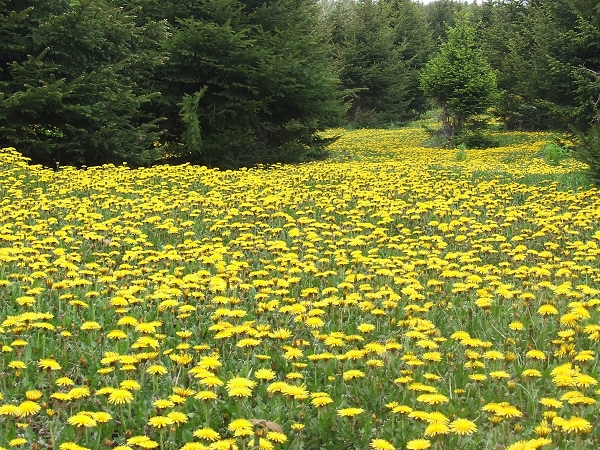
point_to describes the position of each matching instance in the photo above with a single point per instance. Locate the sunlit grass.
(394, 296)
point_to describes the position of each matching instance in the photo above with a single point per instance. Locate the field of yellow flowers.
(391, 297)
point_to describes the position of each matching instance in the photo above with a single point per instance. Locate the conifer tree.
(459, 79)
(550, 59)
(378, 50)
(413, 45)
(72, 82)
(440, 16)
(267, 85)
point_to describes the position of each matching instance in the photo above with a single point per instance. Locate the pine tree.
(459, 79)
(550, 59)
(413, 45)
(501, 21)
(440, 16)
(267, 85)
(378, 55)
(73, 81)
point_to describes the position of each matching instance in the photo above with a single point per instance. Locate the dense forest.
(232, 83)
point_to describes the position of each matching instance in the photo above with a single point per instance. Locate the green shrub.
(554, 153)
(476, 138)
(461, 154)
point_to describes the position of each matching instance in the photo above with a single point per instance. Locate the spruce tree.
(550, 59)
(72, 82)
(459, 79)
(266, 85)
(440, 16)
(413, 45)
(378, 53)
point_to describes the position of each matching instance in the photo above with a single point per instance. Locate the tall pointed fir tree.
(71, 80)
(413, 45)
(259, 72)
(552, 61)
(376, 59)
(440, 16)
(459, 79)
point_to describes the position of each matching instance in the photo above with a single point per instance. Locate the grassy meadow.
(391, 297)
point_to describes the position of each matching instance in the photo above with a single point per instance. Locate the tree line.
(232, 83)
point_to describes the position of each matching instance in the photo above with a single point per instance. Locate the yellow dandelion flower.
(116, 334)
(33, 395)
(178, 417)
(436, 429)
(297, 427)
(82, 420)
(162, 403)
(418, 444)
(16, 364)
(576, 425)
(551, 402)
(321, 401)
(463, 427)
(205, 395)
(498, 374)
(90, 325)
(49, 364)
(29, 408)
(160, 421)
(381, 444)
(478, 377)
(352, 374)
(402, 409)
(508, 412)
(207, 434)
(276, 436)
(584, 356)
(101, 417)
(130, 385)
(365, 327)
(531, 373)
(547, 310)
(211, 382)
(184, 392)
(79, 392)
(433, 399)
(265, 374)
(148, 444)
(543, 429)
(10, 410)
(536, 354)
(349, 412)
(156, 369)
(241, 427)
(120, 396)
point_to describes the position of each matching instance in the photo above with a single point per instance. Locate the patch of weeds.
(554, 153)
(572, 181)
(445, 170)
(507, 138)
(461, 154)
(589, 152)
